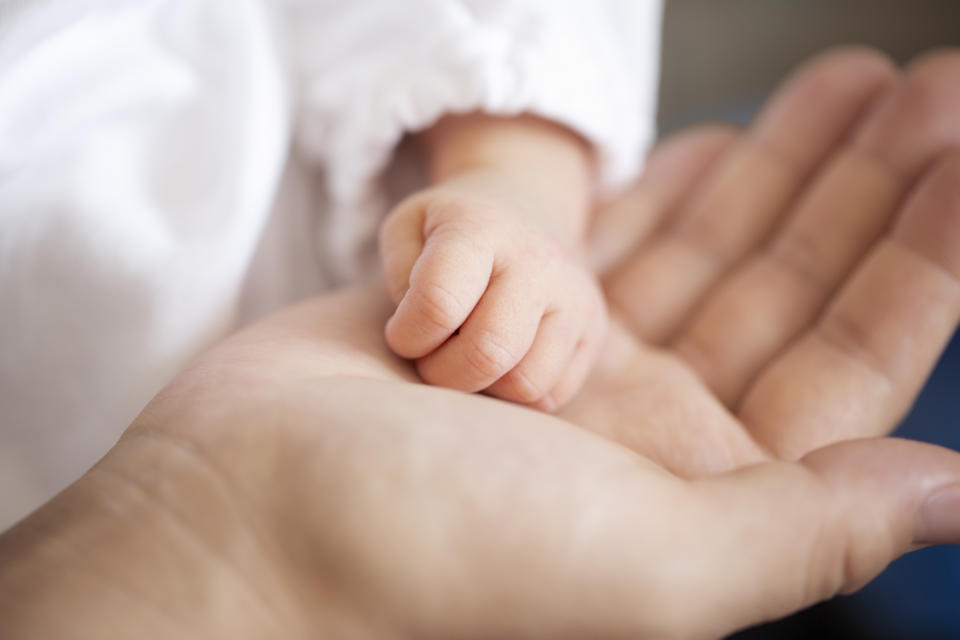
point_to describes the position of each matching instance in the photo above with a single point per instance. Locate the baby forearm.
(552, 165)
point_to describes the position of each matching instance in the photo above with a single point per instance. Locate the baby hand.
(485, 301)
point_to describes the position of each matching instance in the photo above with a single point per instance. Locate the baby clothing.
(170, 169)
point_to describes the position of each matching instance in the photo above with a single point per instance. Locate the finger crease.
(847, 338)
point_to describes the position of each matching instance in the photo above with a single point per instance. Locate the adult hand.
(795, 283)
(296, 481)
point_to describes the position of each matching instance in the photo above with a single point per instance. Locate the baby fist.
(486, 303)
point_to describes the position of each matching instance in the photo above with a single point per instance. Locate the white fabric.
(150, 197)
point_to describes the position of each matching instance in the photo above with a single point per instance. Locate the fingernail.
(939, 518)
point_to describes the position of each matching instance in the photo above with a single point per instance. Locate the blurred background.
(721, 58)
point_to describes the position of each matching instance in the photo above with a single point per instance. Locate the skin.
(487, 265)
(298, 481)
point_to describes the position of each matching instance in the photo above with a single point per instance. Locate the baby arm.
(486, 265)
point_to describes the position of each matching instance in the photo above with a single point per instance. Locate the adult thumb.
(776, 537)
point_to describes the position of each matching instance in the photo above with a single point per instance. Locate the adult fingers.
(743, 197)
(625, 223)
(860, 367)
(775, 295)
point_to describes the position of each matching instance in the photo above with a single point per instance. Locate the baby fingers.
(545, 363)
(565, 348)
(495, 337)
(445, 283)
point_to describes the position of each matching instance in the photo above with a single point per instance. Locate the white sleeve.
(141, 145)
(374, 70)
